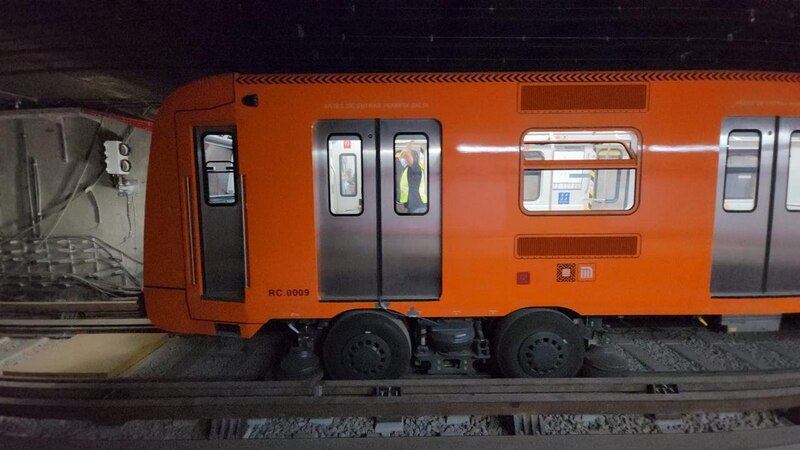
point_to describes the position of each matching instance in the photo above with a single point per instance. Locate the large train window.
(410, 174)
(578, 171)
(793, 192)
(219, 168)
(741, 171)
(344, 175)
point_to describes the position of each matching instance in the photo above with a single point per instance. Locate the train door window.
(219, 168)
(579, 171)
(344, 175)
(348, 185)
(410, 174)
(741, 171)
(793, 193)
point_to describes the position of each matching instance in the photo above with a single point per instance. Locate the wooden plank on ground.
(644, 357)
(90, 355)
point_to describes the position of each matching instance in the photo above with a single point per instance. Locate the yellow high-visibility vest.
(423, 188)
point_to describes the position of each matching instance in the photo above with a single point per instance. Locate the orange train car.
(446, 219)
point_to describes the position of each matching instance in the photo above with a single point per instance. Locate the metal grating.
(57, 263)
(578, 246)
(583, 97)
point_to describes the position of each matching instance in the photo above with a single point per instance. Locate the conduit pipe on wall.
(37, 197)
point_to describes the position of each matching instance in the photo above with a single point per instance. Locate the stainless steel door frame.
(411, 245)
(783, 272)
(347, 245)
(741, 238)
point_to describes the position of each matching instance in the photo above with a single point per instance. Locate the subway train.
(442, 222)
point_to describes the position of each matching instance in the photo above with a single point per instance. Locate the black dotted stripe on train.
(518, 77)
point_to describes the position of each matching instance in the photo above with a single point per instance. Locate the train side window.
(219, 168)
(741, 171)
(410, 174)
(579, 171)
(532, 182)
(344, 175)
(793, 193)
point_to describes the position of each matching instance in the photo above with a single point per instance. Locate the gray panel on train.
(740, 236)
(411, 256)
(347, 242)
(220, 190)
(783, 273)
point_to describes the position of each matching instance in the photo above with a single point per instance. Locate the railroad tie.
(693, 356)
(644, 357)
(741, 355)
(779, 349)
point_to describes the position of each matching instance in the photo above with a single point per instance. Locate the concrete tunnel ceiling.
(126, 55)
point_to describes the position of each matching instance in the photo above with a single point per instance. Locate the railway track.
(206, 377)
(58, 318)
(221, 379)
(776, 438)
(68, 327)
(123, 400)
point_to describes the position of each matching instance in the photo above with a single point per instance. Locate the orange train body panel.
(673, 217)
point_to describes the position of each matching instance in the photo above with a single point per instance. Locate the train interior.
(581, 189)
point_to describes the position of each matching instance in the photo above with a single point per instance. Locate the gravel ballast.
(423, 426)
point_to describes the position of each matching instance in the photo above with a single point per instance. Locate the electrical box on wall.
(117, 153)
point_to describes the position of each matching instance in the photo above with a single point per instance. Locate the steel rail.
(701, 381)
(44, 307)
(61, 327)
(121, 400)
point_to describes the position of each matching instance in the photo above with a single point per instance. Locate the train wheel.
(367, 345)
(538, 344)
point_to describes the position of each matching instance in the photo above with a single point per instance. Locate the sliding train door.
(783, 266)
(757, 218)
(345, 187)
(377, 198)
(213, 207)
(411, 230)
(221, 210)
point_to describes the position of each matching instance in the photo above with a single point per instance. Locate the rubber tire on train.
(357, 338)
(547, 334)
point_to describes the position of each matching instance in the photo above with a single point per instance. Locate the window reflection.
(219, 169)
(344, 175)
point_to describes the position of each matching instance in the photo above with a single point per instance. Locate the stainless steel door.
(347, 226)
(367, 249)
(783, 273)
(411, 243)
(742, 214)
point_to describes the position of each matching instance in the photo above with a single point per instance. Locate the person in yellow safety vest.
(413, 186)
